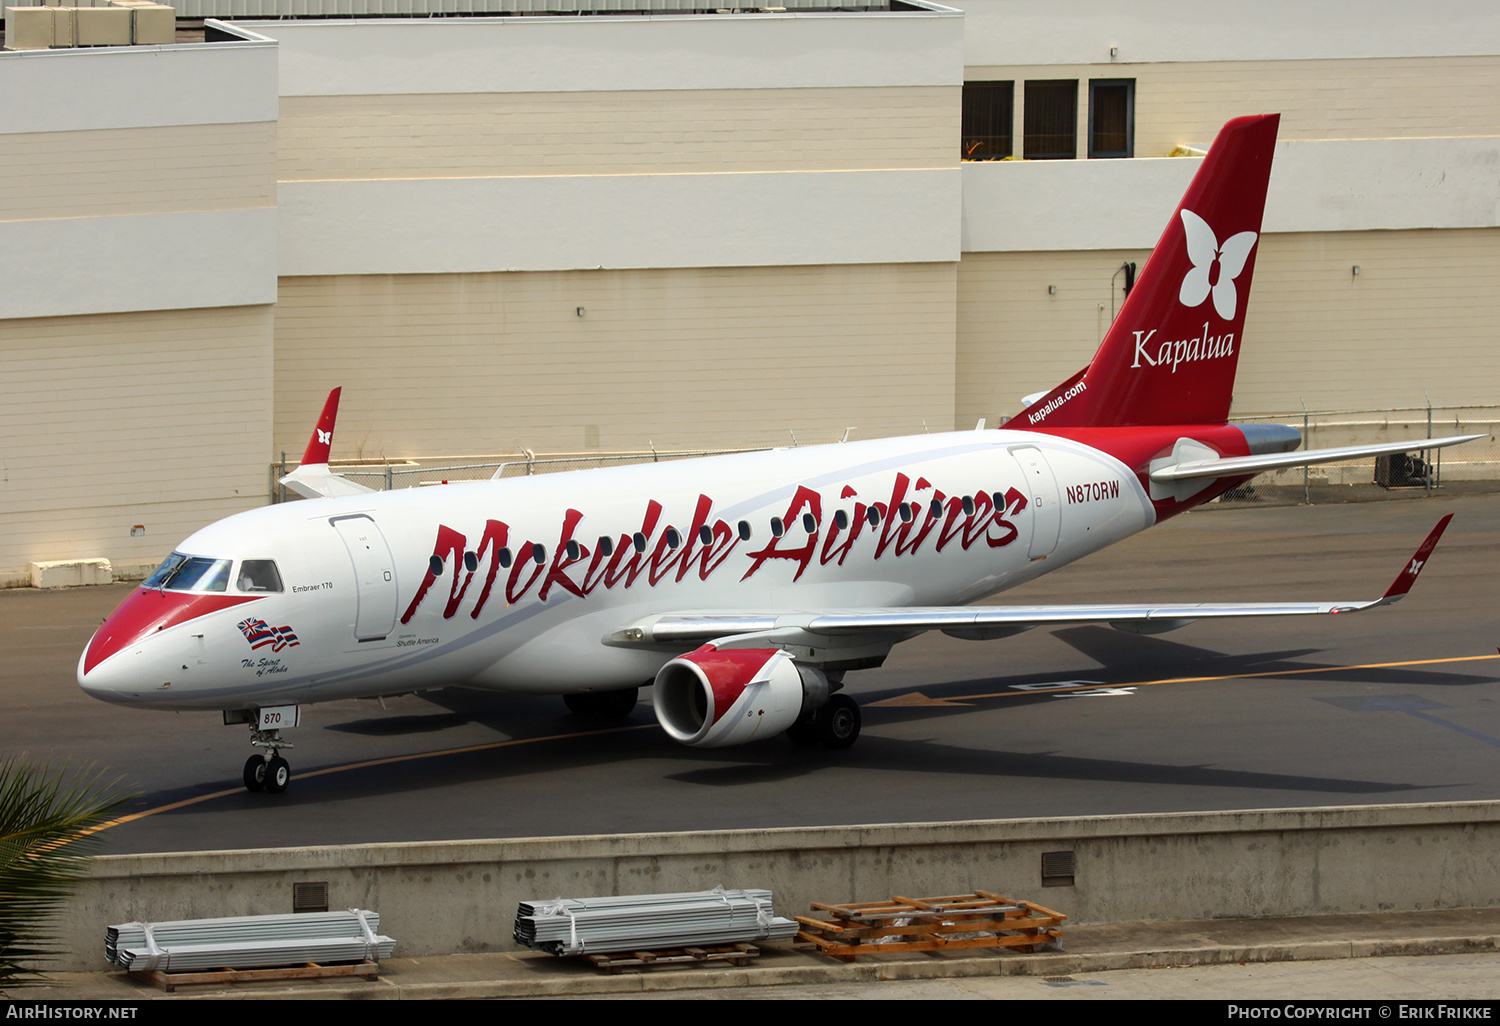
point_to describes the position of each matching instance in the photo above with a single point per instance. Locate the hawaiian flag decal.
(260, 634)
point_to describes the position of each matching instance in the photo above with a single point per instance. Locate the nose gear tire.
(255, 773)
(278, 774)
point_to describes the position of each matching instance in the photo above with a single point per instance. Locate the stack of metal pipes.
(248, 942)
(649, 922)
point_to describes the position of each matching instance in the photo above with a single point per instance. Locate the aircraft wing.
(1182, 466)
(683, 630)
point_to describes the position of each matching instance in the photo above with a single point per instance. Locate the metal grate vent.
(1057, 869)
(311, 896)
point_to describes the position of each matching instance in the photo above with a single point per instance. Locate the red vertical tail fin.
(1170, 356)
(321, 442)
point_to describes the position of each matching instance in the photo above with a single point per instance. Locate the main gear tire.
(838, 723)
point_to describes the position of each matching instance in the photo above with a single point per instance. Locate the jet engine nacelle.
(710, 697)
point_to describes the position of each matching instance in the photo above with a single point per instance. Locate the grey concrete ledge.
(803, 839)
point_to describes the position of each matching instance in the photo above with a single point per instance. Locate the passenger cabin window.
(181, 572)
(259, 575)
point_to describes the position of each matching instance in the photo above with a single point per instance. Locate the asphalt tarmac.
(1399, 704)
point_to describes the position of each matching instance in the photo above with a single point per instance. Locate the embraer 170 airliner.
(743, 587)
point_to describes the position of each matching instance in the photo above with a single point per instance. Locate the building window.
(1051, 120)
(988, 113)
(1112, 117)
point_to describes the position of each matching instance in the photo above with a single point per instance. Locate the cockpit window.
(180, 572)
(259, 575)
(167, 569)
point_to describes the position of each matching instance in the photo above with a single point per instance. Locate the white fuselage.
(347, 621)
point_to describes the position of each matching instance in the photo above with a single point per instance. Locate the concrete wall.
(1149, 31)
(564, 143)
(1419, 217)
(458, 896)
(139, 178)
(126, 423)
(681, 357)
(1325, 186)
(759, 213)
(138, 262)
(1418, 322)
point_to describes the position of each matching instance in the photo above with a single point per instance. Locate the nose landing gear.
(270, 772)
(269, 775)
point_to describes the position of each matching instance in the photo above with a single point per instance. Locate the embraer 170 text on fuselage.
(744, 587)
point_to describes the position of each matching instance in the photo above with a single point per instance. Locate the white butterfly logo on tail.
(1203, 250)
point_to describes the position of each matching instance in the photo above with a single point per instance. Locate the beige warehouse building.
(523, 229)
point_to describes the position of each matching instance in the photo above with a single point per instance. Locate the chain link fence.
(1472, 467)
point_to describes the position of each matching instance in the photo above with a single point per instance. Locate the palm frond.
(46, 813)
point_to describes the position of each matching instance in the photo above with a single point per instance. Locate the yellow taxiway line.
(196, 799)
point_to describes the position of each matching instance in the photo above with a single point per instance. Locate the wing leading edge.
(676, 630)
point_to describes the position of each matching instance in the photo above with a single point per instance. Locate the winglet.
(321, 442)
(1407, 577)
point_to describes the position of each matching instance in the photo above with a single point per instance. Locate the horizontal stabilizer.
(317, 481)
(1239, 466)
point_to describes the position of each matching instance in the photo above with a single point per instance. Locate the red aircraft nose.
(148, 611)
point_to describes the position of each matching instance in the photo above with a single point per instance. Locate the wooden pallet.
(640, 961)
(954, 922)
(169, 982)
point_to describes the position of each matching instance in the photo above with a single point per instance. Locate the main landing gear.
(834, 724)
